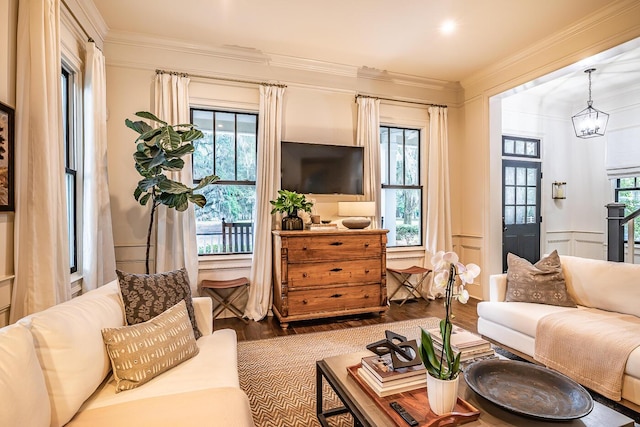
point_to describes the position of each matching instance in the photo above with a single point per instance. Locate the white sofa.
(54, 371)
(603, 285)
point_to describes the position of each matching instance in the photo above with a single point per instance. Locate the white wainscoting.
(469, 249)
(586, 244)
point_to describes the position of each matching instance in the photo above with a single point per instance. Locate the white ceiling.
(400, 36)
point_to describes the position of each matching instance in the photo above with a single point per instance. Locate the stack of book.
(378, 373)
(470, 346)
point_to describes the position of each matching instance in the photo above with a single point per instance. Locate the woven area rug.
(278, 374)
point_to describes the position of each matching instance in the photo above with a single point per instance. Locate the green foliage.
(290, 202)
(159, 150)
(445, 365)
(407, 232)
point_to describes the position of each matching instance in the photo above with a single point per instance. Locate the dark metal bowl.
(528, 389)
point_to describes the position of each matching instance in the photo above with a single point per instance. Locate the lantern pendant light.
(590, 122)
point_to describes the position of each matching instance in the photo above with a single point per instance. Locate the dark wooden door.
(521, 210)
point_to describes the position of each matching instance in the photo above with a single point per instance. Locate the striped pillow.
(143, 351)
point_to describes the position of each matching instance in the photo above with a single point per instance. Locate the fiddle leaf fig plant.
(290, 202)
(160, 150)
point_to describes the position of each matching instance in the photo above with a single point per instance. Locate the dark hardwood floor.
(465, 316)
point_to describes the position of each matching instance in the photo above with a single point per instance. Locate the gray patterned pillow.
(542, 282)
(141, 352)
(147, 295)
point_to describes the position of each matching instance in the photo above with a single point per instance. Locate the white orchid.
(447, 268)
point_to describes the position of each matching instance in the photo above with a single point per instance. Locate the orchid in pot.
(443, 367)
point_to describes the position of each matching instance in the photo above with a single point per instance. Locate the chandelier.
(590, 122)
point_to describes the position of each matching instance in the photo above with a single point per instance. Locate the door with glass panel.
(521, 210)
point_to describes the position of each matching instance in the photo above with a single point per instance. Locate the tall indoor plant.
(443, 367)
(290, 202)
(160, 150)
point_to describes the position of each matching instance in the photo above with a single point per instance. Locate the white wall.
(318, 107)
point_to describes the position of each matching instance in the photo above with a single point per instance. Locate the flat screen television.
(322, 169)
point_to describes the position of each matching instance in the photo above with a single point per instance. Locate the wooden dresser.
(319, 274)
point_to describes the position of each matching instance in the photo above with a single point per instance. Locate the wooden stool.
(226, 300)
(404, 276)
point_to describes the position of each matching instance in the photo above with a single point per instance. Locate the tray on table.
(416, 403)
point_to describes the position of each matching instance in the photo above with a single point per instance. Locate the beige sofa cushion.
(218, 407)
(23, 394)
(216, 365)
(70, 349)
(141, 352)
(612, 286)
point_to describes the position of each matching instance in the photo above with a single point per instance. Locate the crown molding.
(586, 25)
(312, 65)
(89, 18)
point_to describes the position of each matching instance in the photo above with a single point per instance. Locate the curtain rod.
(221, 78)
(400, 100)
(75, 18)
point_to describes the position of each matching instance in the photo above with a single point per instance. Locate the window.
(520, 147)
(227, 150)
(628, 192)
(70, 156)
(401, 203)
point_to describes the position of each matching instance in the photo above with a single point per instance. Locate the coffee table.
(366, 413)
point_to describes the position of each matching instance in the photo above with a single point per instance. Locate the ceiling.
(400, 36)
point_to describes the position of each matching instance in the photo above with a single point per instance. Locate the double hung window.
(228, 150)
(70, 140)
(401, 204)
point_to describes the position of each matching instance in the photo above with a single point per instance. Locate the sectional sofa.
(607, 297)
(55, 371)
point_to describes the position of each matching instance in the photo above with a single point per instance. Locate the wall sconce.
(558, 190)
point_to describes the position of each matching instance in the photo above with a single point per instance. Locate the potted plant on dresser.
(290, 202)
(443, 367)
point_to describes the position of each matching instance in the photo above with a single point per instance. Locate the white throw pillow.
(70, 349)
(23, 392)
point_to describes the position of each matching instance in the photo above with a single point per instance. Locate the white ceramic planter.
(442, 394)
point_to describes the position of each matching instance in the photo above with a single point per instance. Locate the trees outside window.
(628, 192)
(401, 204)
(228, 150)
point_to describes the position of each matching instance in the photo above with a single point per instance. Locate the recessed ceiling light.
(448, 27)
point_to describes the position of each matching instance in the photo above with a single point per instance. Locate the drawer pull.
(336, 269)
(305, 275)
(336, 295)
(366, 271)
(304, 248)
(304, 301)
(336, 244)
(366, 296)
(366, 245)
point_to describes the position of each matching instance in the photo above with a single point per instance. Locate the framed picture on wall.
(6, 158)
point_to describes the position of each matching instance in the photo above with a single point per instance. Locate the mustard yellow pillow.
(143, 351)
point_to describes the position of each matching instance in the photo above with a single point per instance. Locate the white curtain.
(41, 240)
(176, 244)
(368, 136)
(438, 233)
(98, 253)
(267, 184)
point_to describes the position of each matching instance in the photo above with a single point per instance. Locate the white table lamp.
(359, 213)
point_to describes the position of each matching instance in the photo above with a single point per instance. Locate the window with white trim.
(228, 150)
(627, 191)
(401, 203)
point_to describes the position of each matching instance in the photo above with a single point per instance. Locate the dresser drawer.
(334, 272)
(333, 299)
(333, 247)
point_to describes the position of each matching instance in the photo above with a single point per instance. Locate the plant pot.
(292, 222)
(442, 394)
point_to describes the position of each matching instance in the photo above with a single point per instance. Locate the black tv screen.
(322, 169)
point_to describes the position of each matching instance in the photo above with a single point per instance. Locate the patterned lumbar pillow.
(141, 352)
(542, 282)
(147, 295)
